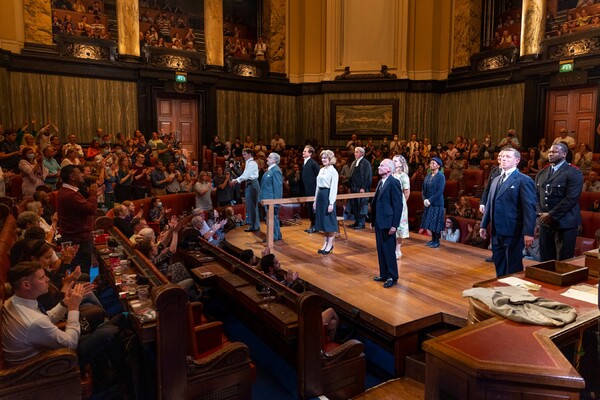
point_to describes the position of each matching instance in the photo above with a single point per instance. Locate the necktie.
(551, 172)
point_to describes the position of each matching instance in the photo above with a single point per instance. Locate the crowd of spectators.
(80, 18)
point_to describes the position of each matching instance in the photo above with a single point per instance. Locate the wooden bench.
(50, 374)
(293, 324)
(197, 367)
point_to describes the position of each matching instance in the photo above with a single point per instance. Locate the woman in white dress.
(401, 173)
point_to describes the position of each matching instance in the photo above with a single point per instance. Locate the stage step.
(415, 367)
(396, 389)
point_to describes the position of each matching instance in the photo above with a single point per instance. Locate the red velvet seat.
(473, 182)
(583, 244)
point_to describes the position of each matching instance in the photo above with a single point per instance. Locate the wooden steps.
(396, 389)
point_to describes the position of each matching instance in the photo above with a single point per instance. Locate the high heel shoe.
(327, 251)
(320, 251)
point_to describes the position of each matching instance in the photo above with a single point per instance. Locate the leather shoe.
(251, 230)
(435, 245)
(380, 279)
(324, 252)
(389, 283)
(428, 244)
(310, 230)
(489, 259)
(359, 227)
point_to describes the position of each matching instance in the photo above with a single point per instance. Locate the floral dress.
(402, 231)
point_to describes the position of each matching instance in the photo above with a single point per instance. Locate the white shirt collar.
(508, 172)
(271, 166)
(67, 186)
(557, 166)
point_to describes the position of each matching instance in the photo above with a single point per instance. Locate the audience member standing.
(386, 209)
(310, 170)
(510, 209)
(564, 137)
(433, 199)
(10, 154)
(324, 205)
(271, 187)
(559, 187)
(250, 175)
(277, 144)
(31, 168)
(360, 182)
(203, 189)
(76, 214)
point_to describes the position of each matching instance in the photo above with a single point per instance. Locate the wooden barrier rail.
(269, 203)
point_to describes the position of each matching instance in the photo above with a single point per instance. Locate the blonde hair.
(403, 165)
(330, 155)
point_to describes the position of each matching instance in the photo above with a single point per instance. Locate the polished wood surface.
(498, 356)
(429, 290)
(396, 389)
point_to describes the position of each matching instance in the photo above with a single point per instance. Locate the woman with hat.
(433, 199)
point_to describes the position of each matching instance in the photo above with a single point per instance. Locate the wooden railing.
(269, 203)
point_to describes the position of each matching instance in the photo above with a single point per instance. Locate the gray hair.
(388, 163)
(361, 149)
(276, 156)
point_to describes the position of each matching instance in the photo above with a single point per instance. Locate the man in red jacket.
(76, 214)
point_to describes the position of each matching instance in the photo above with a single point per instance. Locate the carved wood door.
(574, 109)
(180, 116)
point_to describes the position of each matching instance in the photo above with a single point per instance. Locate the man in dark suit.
(271, 187)
(559, 186)
(510, 209)
(310, 170)
(360, 182)
(386, 209)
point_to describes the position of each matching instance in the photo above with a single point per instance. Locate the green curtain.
(439, 117)
(75, 105)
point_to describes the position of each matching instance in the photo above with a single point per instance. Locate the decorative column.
(128, 24)
(533, 26)
(37, 18)
(274, 33)
(213, 32)
(467, 32)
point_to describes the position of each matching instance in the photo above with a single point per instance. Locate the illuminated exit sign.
(566, 66)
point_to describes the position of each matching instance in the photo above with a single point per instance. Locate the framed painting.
(373, 118)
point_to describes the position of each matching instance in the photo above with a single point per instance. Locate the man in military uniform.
(559, 187)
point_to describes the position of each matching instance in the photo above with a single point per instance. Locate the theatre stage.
(429, 288)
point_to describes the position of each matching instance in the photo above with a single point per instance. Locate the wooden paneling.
(574, 109)
(180, 115)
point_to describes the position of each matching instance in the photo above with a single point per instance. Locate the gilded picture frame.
(372, 118)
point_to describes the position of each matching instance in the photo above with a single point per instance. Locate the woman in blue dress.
(433, 200)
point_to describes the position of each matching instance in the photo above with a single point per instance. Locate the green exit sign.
(567, 66)
(180, 77)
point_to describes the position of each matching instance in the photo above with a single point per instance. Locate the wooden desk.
(498, 358)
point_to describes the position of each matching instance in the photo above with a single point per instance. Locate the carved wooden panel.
(180, 116)
(574, 109)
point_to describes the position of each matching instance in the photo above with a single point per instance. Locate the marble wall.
(213, 32)
(128, 20)
(274, 33)
(467, 28)
(534, 18)
(37, 18)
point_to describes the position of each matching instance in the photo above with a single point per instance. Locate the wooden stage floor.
(429, 288)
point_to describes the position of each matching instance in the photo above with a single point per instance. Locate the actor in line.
(386, 209)
(310, 170)
(250, 175)
(510, 210)
(271, 187)
(559, 186)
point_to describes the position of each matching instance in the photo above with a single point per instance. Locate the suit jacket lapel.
(507, 183)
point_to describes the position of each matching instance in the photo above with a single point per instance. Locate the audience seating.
(583, 244)
(451, 189)
(590, 223)
(338, 373)
(415, 208)
(51, 374)
(473, 182)
(587, 199)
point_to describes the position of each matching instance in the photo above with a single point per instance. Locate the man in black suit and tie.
(510, 209)
(386, 209)
(559, 186)
(360, 182)
(310, 170)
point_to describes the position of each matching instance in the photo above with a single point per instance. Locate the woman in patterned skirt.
(433, 200)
